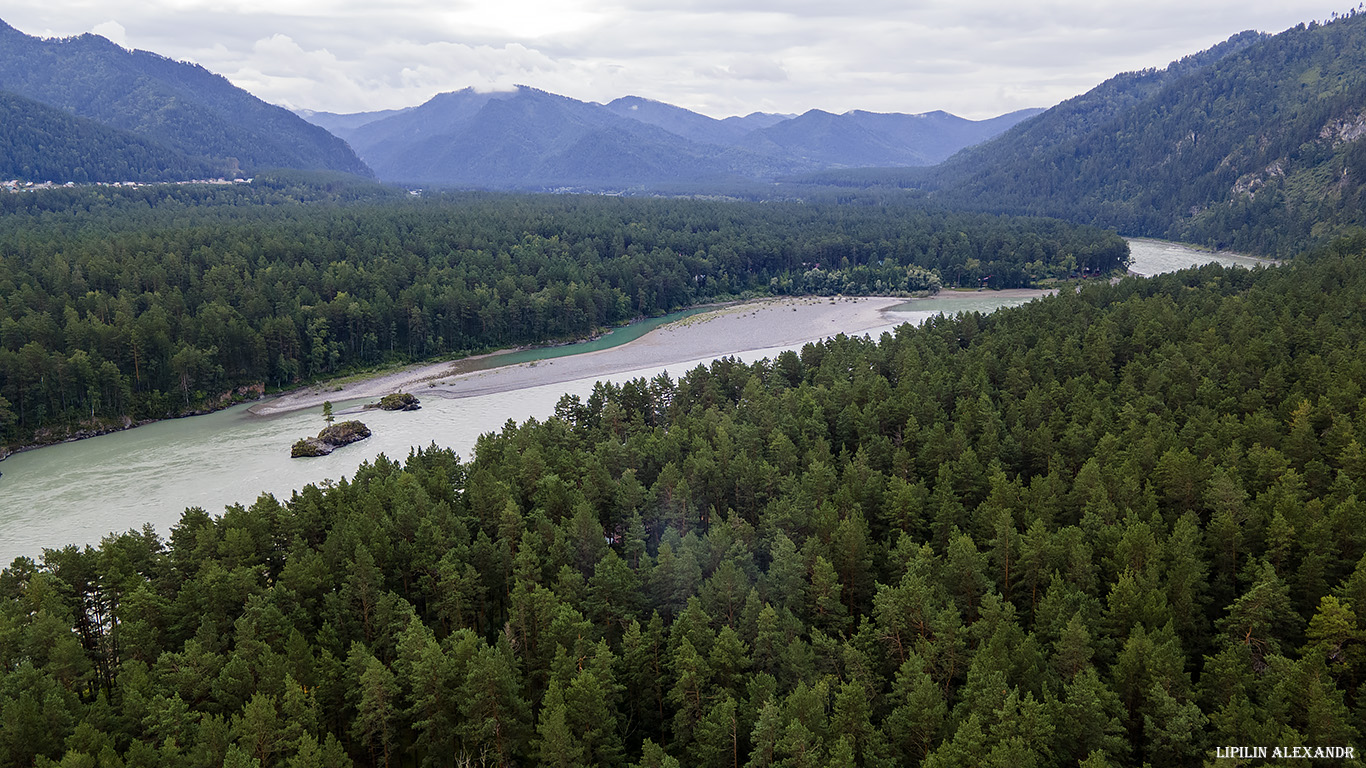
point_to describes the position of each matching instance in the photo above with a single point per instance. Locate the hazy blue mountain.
(340, 124)
(180, 105)
(757, 120)
(863, 139)
(41, 143)
(677, 120)
(827, 140)
(936, 136)
(528, 138)
(386, 140)
(855, 138)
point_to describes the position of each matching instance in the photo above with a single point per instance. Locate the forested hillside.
(1257, 151)
(1117, 527)
(41, 143)
(1255, 145)
(142, 304)
(174, 104)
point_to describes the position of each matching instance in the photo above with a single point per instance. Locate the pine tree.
(824, 604)
(556, 746)
(1258, 618)
(729, 661)
(917, 719)
(376, 712)
(1086, 719)
(688, 695)
(493, 713)
(717, 740)
(1333, 632)
(767, 732)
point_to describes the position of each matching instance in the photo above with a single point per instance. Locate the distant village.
(14, 185)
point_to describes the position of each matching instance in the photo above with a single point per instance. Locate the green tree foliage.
(1116, 587)
(39, 144)
(179, 108)
(123, 305)
(1251, 145)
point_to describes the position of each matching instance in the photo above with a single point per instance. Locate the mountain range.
(181, 119)
(527, 138)
(1255, 144)
(85, 109)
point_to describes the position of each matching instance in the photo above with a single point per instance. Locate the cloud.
(975, 58)
(112, 30)
(748, 68)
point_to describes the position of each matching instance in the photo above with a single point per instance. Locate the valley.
(78, 492)
(808, 438)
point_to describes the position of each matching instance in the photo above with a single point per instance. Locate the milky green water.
(76, 493)
(613, 338)
(1153, 257)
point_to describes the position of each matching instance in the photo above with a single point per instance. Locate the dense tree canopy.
(40, 143)
(1118, 526)
(139, 304)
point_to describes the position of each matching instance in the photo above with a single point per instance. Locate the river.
(76, 493)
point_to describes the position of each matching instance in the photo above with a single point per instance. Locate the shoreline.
(1212, 252)
(665, 345)
(740, 327)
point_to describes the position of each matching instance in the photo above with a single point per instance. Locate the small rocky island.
(399, 401)
(330, 439)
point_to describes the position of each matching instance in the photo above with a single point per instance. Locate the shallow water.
(613, 338)
(981, 301)
(1153, 257)
(78, 492)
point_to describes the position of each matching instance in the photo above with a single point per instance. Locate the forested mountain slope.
(41, 143)
(149, 303)
(1254, 145)
(1060, 129)
(1115, 527)
(176, 104)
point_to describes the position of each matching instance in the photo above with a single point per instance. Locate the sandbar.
(728, 330)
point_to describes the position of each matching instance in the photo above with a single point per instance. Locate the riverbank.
(77, 492)
(91, 429)
(729, 330)
(813, 318)
(1154, 257)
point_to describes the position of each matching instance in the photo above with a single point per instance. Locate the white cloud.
(976, 58)
(112, 30)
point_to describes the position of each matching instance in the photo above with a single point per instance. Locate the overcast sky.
(975, 58)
